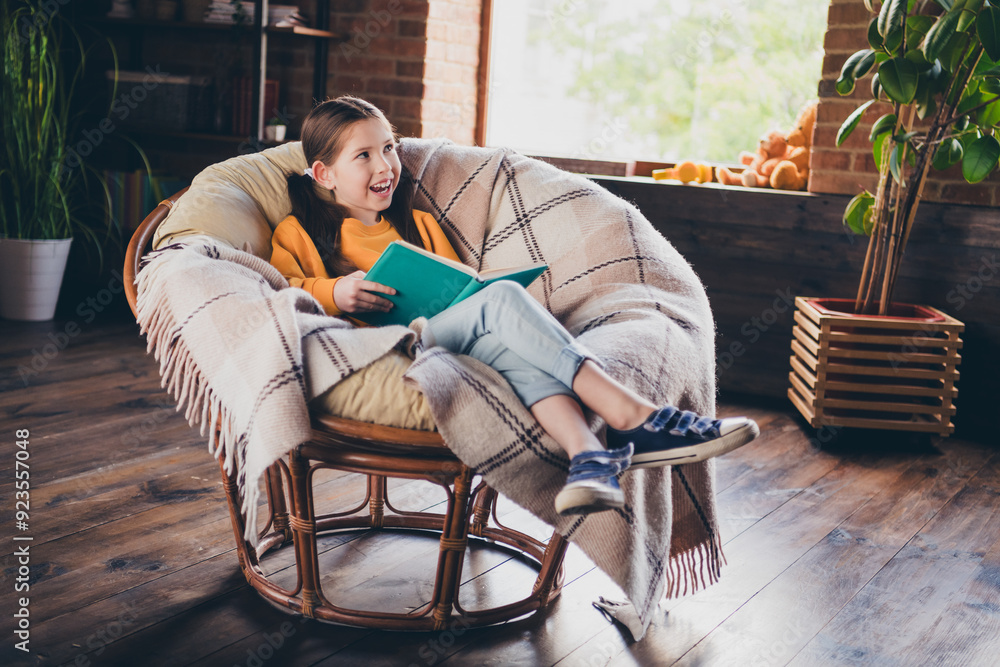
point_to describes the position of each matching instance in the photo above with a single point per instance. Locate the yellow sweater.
(295, 255)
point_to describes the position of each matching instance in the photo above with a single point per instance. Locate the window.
(659, 80)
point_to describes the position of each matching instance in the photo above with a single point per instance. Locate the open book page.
(524, 275)
(458, 266)
(427, 284)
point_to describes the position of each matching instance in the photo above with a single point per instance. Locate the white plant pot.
(31, 272)
(274, 132)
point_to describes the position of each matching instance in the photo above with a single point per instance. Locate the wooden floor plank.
(758, 556)
(759, 457)
(967, 632)
(831, 549)
(768, 629)
(164, 583)
(897, 610)
(773, 483)
(537, 640)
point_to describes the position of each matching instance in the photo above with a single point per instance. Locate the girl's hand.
(353, 294)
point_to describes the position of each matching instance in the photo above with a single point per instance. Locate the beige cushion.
(377, 394)
(239, 202)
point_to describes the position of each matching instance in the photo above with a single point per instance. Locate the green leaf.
(852, 122)
(886, 123)
(989, 116)
(868, 222)
(949, 152)
(980, 158)
(988, 29)
(972, 98)
(955, 52)
(895, 166)
(856, 211)
(898, 77)
(876, 86)
(968, 14)
(970, 137)
(891, 19)
(874, 39)
(917, 27)
(940, 34)
(845, 84)
(990, 86)
(865, 64)
(927, 106)
(916, 56)
(984, 65)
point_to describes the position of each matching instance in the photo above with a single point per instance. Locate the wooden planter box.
(896, 372)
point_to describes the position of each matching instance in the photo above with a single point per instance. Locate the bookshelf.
(136, 32)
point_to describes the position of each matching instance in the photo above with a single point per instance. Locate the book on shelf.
(133, 194)
(426, 284)
(243, 104)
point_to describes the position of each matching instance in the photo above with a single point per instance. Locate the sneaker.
(671, 437)
(591, 485)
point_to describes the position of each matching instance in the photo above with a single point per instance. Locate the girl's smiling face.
(365, 174)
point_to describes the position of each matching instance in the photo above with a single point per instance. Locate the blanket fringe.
(695, 569)
(182, 379)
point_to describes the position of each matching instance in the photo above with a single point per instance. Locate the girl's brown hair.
(323, 133)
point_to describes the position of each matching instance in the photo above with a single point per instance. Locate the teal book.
(427, 284)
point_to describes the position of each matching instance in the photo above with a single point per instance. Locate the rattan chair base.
(292, 523)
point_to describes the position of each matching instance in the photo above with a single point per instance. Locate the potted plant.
(275, 130)
(41, 177)
(876, 363)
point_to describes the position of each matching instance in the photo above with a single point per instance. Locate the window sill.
(718, 187)
(641, 172)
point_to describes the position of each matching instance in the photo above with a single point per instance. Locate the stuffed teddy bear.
(781, 161)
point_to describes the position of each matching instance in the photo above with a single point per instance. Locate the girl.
(329, 242)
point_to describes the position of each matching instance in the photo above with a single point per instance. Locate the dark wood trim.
(483, 80)
(595, 167)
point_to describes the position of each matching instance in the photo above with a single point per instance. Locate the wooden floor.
(862, 551)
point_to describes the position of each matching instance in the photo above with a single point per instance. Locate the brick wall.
(417, 60)
(451, 70)
(381, 57)
(850, 168)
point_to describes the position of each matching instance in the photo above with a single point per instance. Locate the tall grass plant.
(43, 193)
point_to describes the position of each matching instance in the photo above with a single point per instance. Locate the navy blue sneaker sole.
(587, 497)
(699, 451)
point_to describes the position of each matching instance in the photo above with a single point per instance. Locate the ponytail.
(321, 221)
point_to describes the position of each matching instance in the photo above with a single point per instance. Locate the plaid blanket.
(232, 344)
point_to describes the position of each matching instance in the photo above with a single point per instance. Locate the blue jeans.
(504, 327)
